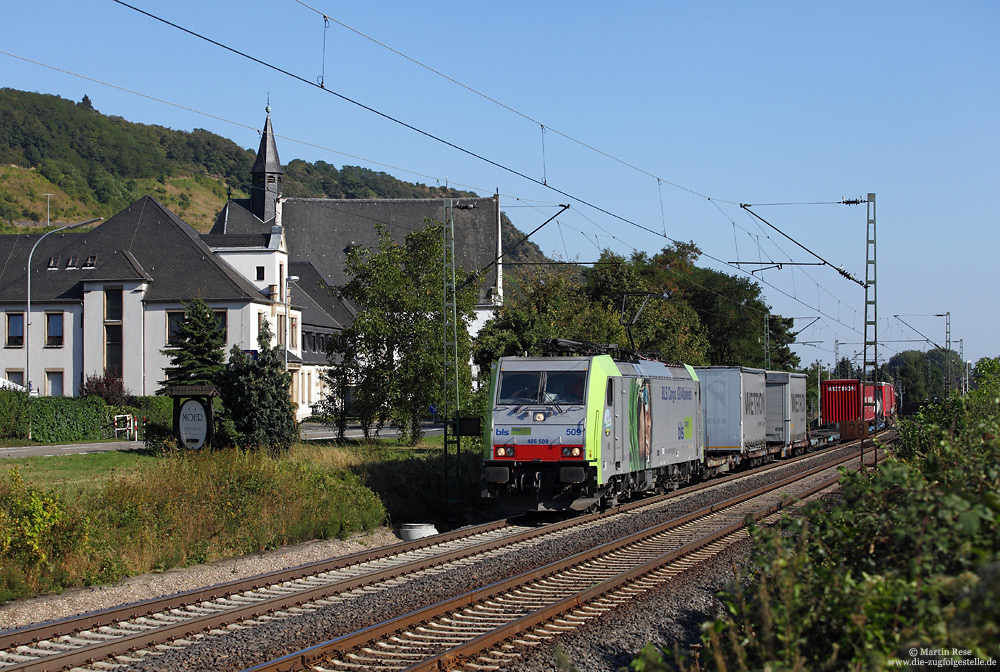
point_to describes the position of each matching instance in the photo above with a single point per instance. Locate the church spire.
(266, 175)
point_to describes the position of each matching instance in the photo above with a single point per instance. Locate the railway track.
(482, 629)
(131, 632)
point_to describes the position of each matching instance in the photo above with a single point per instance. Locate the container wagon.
(785, 413)
(841, 401)
(887, 407)
(733, 406)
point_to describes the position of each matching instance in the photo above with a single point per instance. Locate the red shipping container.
(888, 395)
(841, 402)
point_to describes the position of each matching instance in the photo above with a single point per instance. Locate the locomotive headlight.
(575, 451)
(505, 451)
(540, 417)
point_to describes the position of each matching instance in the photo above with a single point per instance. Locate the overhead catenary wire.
(400, 122)
(432, 136)
(544, 128)
(509, 108)
(839, 270)
(256, 129)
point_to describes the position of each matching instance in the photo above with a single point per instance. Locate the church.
(111, 298)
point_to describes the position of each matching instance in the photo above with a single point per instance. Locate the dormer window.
(54, 263)
(91, 261)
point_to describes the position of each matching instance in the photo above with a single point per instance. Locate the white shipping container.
(786, 407)
(733, 408)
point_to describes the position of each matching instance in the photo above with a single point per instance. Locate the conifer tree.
(256, 399)
(199, 356)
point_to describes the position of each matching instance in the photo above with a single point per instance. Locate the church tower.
(266, 175)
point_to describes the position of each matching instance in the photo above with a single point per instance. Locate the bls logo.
(502, 432)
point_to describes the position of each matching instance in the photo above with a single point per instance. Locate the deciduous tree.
(395, 347)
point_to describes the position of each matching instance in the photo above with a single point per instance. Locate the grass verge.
(75, 520)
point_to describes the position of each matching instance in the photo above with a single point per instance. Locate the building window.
(53, 330)
(281, 330)
(260, 273)
(113, 304)
(53, 263)
(113, 359)
(54, 383)
(72, 262)
(175, 318)
(15, 376)
(91, 261)
(15, 330)
(221, 321)
(293, 339)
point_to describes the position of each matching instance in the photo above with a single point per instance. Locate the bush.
(155, 409)
(908, 556)
(109, 387)
(15, 422)
(38, 533)
(174, 510)
(68, 419)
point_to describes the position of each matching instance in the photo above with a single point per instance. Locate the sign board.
(852, 430)
(193, 423)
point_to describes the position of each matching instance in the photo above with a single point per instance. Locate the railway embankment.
(900, 570)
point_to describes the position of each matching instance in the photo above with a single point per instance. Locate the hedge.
(70, 419)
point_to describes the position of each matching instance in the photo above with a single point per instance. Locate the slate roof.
(267, 155)
(143, 241)
(320, 308)
(236, 217)
(321, 231)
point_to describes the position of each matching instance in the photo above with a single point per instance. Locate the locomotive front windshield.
(542, 387)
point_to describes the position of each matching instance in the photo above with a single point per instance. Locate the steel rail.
(73, 624)
(302, 660)
(225, 615)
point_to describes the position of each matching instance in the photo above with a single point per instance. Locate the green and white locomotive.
(580, 432)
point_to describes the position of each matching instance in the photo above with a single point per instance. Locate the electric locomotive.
(575, 433)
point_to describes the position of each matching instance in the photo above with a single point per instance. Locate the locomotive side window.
(609, 394)
(519, 387)
(565, 387)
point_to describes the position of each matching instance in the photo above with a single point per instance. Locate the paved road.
(314, 431)
(310, 431)
(69, 449)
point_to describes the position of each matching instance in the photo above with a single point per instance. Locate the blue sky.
(694, 108)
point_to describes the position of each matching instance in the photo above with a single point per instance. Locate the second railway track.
(468, 631)
(128, 634)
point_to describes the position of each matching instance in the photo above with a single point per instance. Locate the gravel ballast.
(663, 617)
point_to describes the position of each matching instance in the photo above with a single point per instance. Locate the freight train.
(841, 402)
(578, 433)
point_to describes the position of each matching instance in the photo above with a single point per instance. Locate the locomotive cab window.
(565, 387)
(519, 387)
(542, 387)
